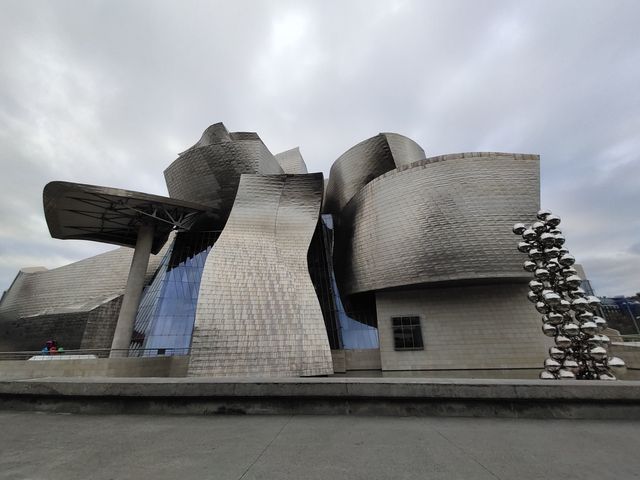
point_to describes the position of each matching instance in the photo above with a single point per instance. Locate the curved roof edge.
(112, 215)
(291, 161)
(366, 161)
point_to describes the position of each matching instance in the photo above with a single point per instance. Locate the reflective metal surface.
(419, 224)
(291, 161)
(565, 304)
(258, 313)
(209, 172)
(365, 161)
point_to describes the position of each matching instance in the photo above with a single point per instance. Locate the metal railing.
(630, 338)
(98, 352)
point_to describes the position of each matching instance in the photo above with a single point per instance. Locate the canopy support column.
(132, 292)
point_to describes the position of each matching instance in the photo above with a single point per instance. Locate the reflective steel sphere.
(553, 266)
(559, 240)
(606, 376)
(552, 252)
(551, 365)
(542, 214)
(536, 254)
(549, 330)
(529, 234)
(542, 307)
(563, 306)
(538, 227)
(524, 247)
(562, 341)
(544, 375)
(571, 329)
(579, 304)
(519, 228)
(552, 299)
(548, 240)
(552, 220)
(571, 365)
(542, 274)
(564, 374)
(536, 286)
(568, 271)
(576, 292)
(604, 340)
(593, 301)
(573, 281)
(594, 341)
(529, 266)
(555, 318)
(589, 328)
(598, 353)
(556, 353)
(584, 316)
(600, 322)
(533, 297)
(566, 259)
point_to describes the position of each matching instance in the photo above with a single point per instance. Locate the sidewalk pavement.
(62, 446)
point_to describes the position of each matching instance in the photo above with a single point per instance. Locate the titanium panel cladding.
(441, 219)
(78, 287)
(291, 161)
(209, 172)
(258, 313)
(364, 162)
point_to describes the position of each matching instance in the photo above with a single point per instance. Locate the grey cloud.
(108, 92)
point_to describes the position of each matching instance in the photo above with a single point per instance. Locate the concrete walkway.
(54, 446)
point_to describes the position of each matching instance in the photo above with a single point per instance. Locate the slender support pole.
(132, 292)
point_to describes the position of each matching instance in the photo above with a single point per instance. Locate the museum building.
(253, 266)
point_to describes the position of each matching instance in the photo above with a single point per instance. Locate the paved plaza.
(63, 446)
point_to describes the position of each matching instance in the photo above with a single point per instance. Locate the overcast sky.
(107, 92)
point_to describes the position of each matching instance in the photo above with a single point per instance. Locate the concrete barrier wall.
(99, 367)
(354, 360)
(335, 396)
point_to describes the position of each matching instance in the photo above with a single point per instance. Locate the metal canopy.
(112, 215)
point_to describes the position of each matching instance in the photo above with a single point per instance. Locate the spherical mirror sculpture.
(569, 315)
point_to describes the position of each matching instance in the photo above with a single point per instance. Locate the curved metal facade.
(291, 161)
(364, 162)
(257, 311)
(441, 219)
(72, 289)
(209, 172)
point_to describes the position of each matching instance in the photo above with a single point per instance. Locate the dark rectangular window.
(407, 334)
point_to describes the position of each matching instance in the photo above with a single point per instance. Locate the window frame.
(413, 327)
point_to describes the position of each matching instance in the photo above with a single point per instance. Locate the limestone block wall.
(464, 327)
(257, 312)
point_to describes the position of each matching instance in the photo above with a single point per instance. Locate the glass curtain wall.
(344, 331)
(167, 311)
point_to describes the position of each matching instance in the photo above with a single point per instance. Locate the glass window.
(407, 334)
